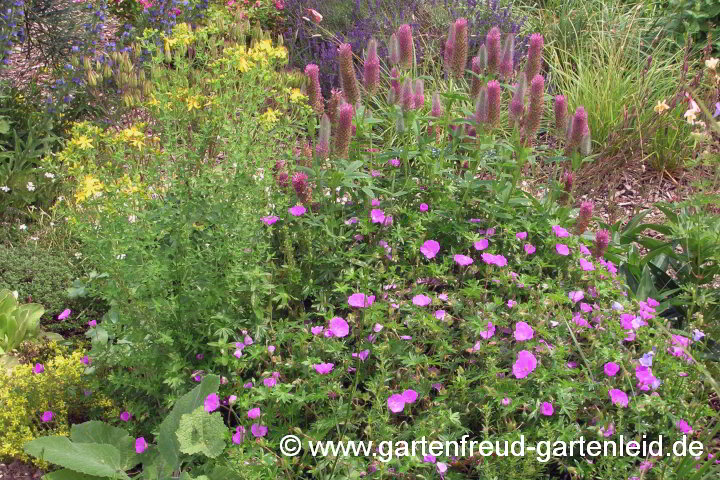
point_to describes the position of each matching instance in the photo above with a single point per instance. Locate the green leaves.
(17, 322)
(101, 460)
(201, 432)
(168, 443)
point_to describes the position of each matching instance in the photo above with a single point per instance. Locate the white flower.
(60, 198)
(52, 224)
(34, 239)
(712, 63)
(49, 175)
(132, 219)
(121, 256)
(78, 255)
(23, 227)
(5, 188)
(30, 186)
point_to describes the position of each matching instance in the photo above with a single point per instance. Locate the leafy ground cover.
(413, 255)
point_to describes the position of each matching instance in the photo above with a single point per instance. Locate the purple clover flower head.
(407, 99)
(371, 70)
(460, 50)
(344, 129)
(578, 129)
(535, 52)
(602, 240)
(506, 64)
(494, 49)
(449, 48)
(419, 94)
(560, 107)
(315, 99)
(494, 97)
(436, 110)
(405, 46)
(537, 105)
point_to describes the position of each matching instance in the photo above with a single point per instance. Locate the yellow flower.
(296, 95)
(153, 101)
(82, 142)
(89, 187)
(661, 107)
(269, 117)
(193, 102)
(712, 63)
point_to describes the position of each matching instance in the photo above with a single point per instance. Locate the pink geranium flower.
(360, 300)
(297, 210)
(523, 332)
(521, 235)
(560, 232)
(430, 248)
(482, 244)
(463, 260)
(323, 368)
(339, 327)
(38, 368)
(421, 300)
(409, 396)
(269, 220)
(125, 416)
(529, 249)
(684, 427)
(562, 249)
(258, 430)
(396, 403)
(611, 369)
(424, 207)
(253, 413)
(586, 265)
(65, 314)
(140, 445)
(47, 416)
(576, 295)
(618, 397)
(547, 409)
(212, 402)
(440, 314)
(377, 215)
(488, 332)
(524, 365)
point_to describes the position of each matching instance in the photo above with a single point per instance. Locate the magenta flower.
(253, 413)
(270, 382)
(47, 416)
(239, 435)
(396, 403)
(269, 220)
(684, 427)
(440, 314)
(405, 46)
(562, 249)
(271, 349)
(323, 368)
(405, 337)
(482, 244)
(506, 401)
(409, 396)
(525, 363)
(377, 328)
(611, 369)
(125, 416)
(92, 323)
(212, 402)
(497, 260)
(362, 355)
(488, 332)
(316, 330)
(430, 248)
(547, 409)
(140, 445)
(65, 314)
(38, 368)
(560, 232)
(529, 249)
(618, 397)
(586, 265)
(576, 295)
(523, 332)
(339, 327)
(441, 468)
(521, 235)
(463, 260)
(424, 207)
(258, 430)
(394, 162)
(377, 215)
(511, 303)
(297, 210)
(360, 300)
(421, 300)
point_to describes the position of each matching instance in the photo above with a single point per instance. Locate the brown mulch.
(19, 471)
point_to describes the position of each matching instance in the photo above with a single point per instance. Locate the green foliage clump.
(61, 388)
(201, 432)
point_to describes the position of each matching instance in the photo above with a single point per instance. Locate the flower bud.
(348, 81)
(371, 71)
(494, 92)
(506, 64)
(323, 145)
(336, 99)
(561, 117)
(460, 52)
(481, 106)
(437, 107)
(586, 144)
(535, 52)
(476, 83)
(405, 45)
(537, 104)
(602, 240)
(568, 181)
(315, 99)
(394, 50)
(578, 129)
(584, 217)
(344, 129)
(394, 85)
(406, 95)
(517, 104)
(419, 94)
(494, 50)
(449, 48)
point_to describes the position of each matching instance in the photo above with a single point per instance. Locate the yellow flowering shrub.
(61, 388)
